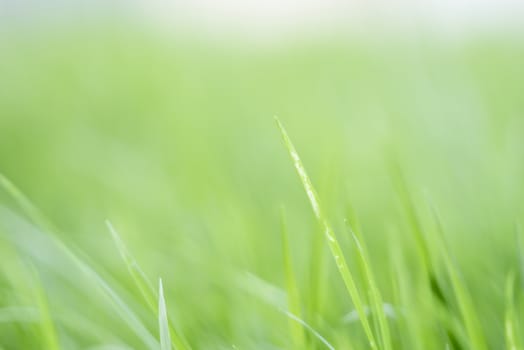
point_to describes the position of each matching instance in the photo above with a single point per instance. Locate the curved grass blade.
(309, 328)
(144, 284)
(40, 220)
(333, 244)
(275, 297)
(163, 324)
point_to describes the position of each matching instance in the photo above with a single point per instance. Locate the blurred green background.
(173, 139)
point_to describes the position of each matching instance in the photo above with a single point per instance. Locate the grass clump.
(172, 142)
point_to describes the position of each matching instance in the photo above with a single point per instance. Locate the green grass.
(163, 325)
(128, 157)
(334, 246)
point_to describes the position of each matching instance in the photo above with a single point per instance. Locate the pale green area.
(130, 157)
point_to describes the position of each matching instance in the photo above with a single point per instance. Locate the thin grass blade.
(47, 325)
(143, 284)
(377, 303)
(333, 244)
(163, 324)
(463, 298)
(40, 220)
(138, 275)
(293, 296)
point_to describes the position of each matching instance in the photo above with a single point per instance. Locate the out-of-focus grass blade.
(143, 283)
(138, 275)
(47, 324)
(275, 296)
(377, 303)
(316, 275)
(463, 298)
(520, 253)
(309, 328)
(293, 296)
(163, 324)
(334, 246)
(25, 204)
(411, 213)
(39, 219)
(510, 319)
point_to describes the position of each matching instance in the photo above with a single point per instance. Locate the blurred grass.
(174, 142)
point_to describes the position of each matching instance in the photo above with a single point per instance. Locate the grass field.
(128, 157)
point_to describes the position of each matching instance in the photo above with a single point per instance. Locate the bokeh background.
(159, 117)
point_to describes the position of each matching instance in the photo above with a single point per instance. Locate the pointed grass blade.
(377, 303)
(332, 241)
(40, 220)
(143, 284)
(163, 325)
(462, 296)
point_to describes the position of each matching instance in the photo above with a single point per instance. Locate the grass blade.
(40, 220)
(143, 283)
(163, 324)
(138, 275)
(510, 319)
(463, 298)
(275, 296)
(411, 213)
(47, 324)
(520, 252)
(333, 244)
(293, 297)
(377, 303)
(309, 328)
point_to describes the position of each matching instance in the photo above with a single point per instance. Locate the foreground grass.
(127, 159)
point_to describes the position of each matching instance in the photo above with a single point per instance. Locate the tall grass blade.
(465, 303)
(293, 296)
(377, 303)
(333, 244)
(411, 213)
(510, 318)
(163, 324)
